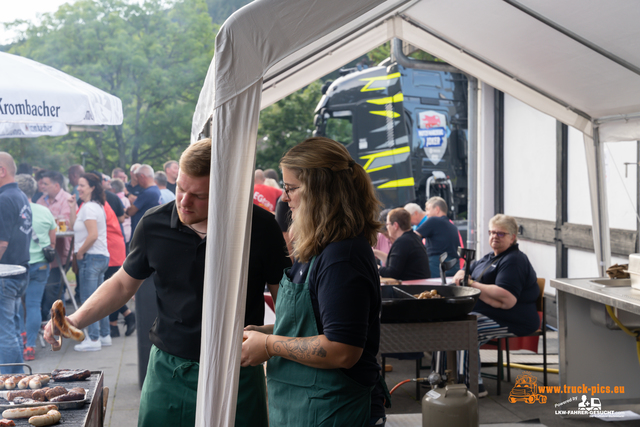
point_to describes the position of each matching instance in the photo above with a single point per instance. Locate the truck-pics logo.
(526, 390)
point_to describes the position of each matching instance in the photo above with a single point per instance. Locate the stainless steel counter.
(592, 353)
(617, 293)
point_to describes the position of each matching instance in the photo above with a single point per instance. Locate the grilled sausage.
(59, 320)
(51, 417)
(15, 413)
(7, 423)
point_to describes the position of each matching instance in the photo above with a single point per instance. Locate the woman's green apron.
(302, 396)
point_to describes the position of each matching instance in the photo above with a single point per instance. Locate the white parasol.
(37, 100)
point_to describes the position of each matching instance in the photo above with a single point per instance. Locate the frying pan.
(400, 306)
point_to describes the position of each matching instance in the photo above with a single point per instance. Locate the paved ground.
(120, 365)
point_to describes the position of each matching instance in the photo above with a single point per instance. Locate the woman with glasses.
(509, 290)
(322, 350)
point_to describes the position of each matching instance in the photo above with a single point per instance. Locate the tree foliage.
(285, 124)
(220, 10)
(153, 56)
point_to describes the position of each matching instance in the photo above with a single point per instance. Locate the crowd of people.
(36, 211)
(322, 226)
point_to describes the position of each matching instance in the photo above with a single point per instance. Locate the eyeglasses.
(499, 234)
(289, 190)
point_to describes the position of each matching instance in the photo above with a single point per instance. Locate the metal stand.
(461, 334)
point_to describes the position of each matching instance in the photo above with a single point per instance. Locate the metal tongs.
(467, 255)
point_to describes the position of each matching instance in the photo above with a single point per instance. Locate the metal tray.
(89, 385)
(400, 306)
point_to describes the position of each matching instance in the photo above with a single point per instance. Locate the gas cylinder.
(452, 406)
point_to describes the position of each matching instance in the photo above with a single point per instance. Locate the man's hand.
(51, 332)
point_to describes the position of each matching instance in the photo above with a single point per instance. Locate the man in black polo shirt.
(407, 259)
(170, 240)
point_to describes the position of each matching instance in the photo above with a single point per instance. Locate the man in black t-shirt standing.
(170, 240)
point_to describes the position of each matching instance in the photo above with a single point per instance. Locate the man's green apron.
(170, 388)
(299, 395)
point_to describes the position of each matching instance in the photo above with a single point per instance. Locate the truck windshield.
(340, 129)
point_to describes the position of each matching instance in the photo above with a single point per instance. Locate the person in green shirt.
(44, 227)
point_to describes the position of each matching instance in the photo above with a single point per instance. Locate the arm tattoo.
(300, 348)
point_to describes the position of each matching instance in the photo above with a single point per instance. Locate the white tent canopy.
(37, 100)
(577, 61)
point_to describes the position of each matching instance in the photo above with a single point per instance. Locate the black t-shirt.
(15, 225)
(345, 294)
(441, 236)
(162, 244)
(267, 261)
(171, 187)
(283, 215)
(115, 203)
(407, 259)
(511, 270)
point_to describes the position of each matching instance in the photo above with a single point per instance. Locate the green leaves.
(153, 56)
(285, 124)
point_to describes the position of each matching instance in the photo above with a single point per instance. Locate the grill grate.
(71, 417)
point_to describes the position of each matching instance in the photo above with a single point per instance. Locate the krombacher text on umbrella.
(29, 109)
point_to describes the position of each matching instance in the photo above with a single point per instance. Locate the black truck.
(405, 122)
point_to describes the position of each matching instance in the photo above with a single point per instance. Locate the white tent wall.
(529, 161)
(530, 176)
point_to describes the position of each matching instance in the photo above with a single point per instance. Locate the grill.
(74, 414)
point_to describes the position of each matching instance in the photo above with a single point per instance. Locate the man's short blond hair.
(195, 161)
(439, 203)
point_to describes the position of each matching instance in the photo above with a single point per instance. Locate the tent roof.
(578, 61)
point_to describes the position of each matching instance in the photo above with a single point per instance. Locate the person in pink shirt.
(264, 196)
(56, 200)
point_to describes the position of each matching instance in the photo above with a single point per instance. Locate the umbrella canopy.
(37, 100)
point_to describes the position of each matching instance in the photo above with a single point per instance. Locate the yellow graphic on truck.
(526, 390)
(385, 160)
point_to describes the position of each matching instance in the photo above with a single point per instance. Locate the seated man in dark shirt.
(407, 259)
(441, 235)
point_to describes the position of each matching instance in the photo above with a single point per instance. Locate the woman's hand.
(458, 277)
(254, 350)
(72, 202)
(79, 255)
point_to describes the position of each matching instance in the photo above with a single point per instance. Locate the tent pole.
(472, 165)
(599, 206)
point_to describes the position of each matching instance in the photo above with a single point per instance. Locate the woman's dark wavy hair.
(97, 195)
(337, 198)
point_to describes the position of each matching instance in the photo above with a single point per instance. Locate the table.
(11, 270)
(591, 351)
(449, 335)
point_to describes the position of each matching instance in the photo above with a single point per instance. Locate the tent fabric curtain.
(231, 97)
